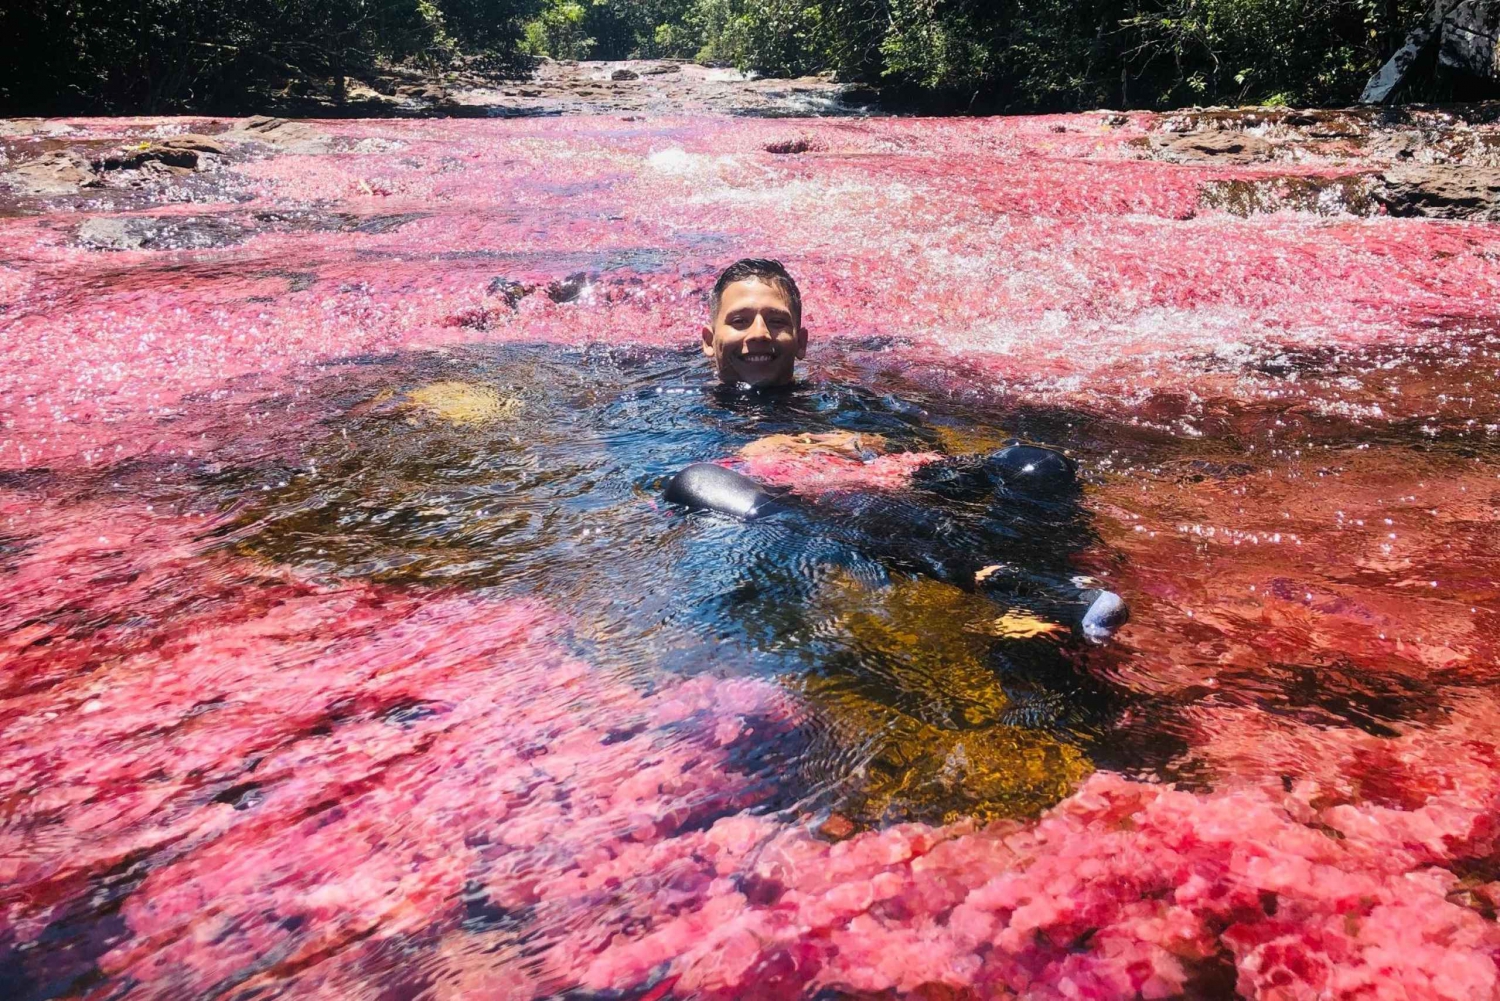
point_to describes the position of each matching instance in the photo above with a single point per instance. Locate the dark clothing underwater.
(1004, 524)
(1027, 495)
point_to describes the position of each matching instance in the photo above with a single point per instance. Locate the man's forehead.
(754, 291)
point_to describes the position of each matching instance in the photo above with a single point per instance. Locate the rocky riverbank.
(1407, 161)
(553, 87)
(655, 87)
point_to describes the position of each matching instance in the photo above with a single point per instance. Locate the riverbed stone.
(184, 153)
(107, 233)
(462, 403)
(569, 288)
(56, 172)
(510, 290)
(1442, 192)
(286, 135)
(1340, 194)
(139, 232)
(1218, 146)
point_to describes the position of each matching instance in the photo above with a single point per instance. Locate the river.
(349, 652)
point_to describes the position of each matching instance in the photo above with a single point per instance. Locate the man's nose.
(758, 329)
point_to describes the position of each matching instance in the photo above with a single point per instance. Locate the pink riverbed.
(231, 773)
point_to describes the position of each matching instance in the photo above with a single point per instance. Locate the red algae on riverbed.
(313, 769)
(385, 764)
(228, 773)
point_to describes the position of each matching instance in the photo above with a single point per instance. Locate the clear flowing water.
(348, 651)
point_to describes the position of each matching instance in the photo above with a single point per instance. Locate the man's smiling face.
(756, 336)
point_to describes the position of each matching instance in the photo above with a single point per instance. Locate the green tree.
(162, 55)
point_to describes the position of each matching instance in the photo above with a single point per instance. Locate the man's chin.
(760, 377)
(765, 382)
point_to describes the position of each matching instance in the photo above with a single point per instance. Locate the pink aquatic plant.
(309, 768)
(223, 776)
(821, 473)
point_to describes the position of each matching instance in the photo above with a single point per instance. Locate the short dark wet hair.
(763, 269)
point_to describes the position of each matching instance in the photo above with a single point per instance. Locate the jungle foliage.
(146, 56)
(1018, 55)
(1013, 55)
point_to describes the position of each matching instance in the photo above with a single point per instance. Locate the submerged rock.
(319, 221)
(510, 290)
(58, 172)
(289, 136)
(213, 230)
(1218, 146)
(463, 403)
(847, 443)
(160, 232)
(108, 234)
(798, 145)
(569, 288)
(184, 152)
(1348, 194)
(1443, 192)
(940, 729)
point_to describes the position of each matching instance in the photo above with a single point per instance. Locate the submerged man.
(1024, 493)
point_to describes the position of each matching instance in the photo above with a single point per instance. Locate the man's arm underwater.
(1017, 473)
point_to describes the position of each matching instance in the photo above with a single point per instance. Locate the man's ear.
(801, 342)
(708, 341)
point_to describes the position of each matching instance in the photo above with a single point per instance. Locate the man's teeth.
(759, 357)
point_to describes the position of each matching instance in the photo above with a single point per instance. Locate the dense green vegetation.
(161, 55)
(1019, 55)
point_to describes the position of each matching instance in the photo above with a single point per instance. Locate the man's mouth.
(758, 357)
